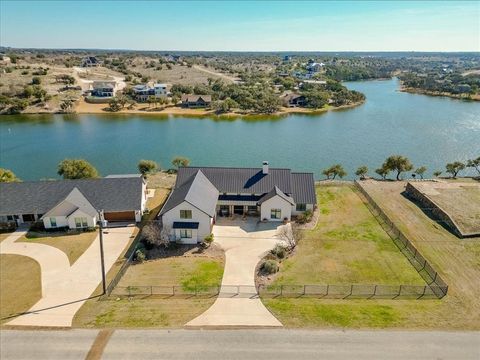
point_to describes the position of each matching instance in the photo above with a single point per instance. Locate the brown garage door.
(120, 216)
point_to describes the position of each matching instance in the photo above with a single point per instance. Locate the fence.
(111, 286)
(354, 291)
(418, 261)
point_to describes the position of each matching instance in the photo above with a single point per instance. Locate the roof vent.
(265, 167)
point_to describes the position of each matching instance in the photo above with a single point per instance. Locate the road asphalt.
(278, 344)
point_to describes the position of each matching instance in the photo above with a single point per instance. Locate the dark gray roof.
(185, 225)
(303, 188)
(197, 190)
(240, 180)
(276, 192)
(109, 194)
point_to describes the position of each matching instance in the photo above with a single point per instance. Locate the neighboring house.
(314, 67)
(104, 88)
(74, 203)
(294, 100)
(196, 101)
(90, 61)
(203, 193)
(143, 92)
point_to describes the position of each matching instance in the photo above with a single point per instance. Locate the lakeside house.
(143, 91)
(90, 61)
(74, 204)
(314, 67)
(294, 100)
(203, 193)
(104, 88)
(196, 101)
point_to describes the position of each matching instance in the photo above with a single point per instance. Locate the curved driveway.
(65, 288)
(245, 242)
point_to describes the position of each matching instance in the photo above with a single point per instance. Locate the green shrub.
(270, 266)
(305, 217)
(140, 255)
(279, 251)
(208, 239)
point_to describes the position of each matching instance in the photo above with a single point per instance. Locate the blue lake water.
(431, 131)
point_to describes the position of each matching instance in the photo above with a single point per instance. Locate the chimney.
(265, 167)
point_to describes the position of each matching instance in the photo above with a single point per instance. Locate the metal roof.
(109, 194)
(276, 192)
(303, 188)
(198, 191)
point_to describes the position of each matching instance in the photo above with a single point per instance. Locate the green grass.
(348, 246)
(206, 274)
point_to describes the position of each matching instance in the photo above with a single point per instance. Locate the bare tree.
(156, 235)
(290, 235)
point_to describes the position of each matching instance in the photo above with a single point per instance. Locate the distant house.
(203, 193)
(287, 58)
(314, 67)
(294, 100)
(90, 61)
(143, 92)
(196, 101)
(104, 88)
(74, 203)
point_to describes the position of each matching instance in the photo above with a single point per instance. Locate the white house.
(143, 92)
(74, 204)
(203, 193)
(104, 88)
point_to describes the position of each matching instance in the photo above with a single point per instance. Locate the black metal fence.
(354, 291)
(438, 286)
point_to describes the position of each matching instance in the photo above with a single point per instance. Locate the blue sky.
(243, 26)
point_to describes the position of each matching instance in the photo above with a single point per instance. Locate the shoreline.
(84, 108)
(418, 91)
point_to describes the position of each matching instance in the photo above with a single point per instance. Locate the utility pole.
(102, 260)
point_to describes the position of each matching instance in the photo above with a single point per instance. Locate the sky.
(242, 25)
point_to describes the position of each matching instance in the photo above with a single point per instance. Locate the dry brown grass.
(20, 284)
(73, 245)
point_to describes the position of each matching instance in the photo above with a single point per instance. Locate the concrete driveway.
(245, 242)
(65, 288)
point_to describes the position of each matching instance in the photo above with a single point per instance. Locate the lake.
(431, 131)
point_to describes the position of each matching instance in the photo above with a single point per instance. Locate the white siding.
(62, 221)
(295, 212)
(275, 202)
(91, 221)
(203, 219)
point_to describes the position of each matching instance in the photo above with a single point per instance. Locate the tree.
(76, 169)
(180, 161)
(7, 176)
(66, 106)
(114, 105)
(155, 235)
(290, 235)
(334, 170)
(362, 172)
(474, 163)
(420, 171)
(147, 167)
(383, 172)
(36, 80)
(398, 163)
(437, 173)
(454, 168)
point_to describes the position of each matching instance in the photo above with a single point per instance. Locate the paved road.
(244, 242)
(65, 287)
(242, 344)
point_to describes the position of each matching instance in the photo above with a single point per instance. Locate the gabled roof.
(196, 98)
(108, 194)
(276, 192)
(74, 201)
(240, 180)
(198, 191)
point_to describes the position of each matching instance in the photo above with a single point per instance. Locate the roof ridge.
(230, 167)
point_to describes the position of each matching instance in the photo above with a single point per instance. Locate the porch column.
(245, 209)
(230, 211)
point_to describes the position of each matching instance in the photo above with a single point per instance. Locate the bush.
(270, 267)
(306, 217)
(36, 81)
(140, 255)
(279, 251)
(208, 239)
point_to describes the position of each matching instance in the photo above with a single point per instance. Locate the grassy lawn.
(155, 203)
(189, 270)
(73, 245)
(20, 284)
(348, 246)
(3, 236)
(457, 260)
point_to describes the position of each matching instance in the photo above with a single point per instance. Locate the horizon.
(264, 26)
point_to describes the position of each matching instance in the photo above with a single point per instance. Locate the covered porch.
(243, 205)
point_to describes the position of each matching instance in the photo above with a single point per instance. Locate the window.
(53, 222)
(185, 233)
(81, 222)
(275, 214)
(185, 214)
(301, 207)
